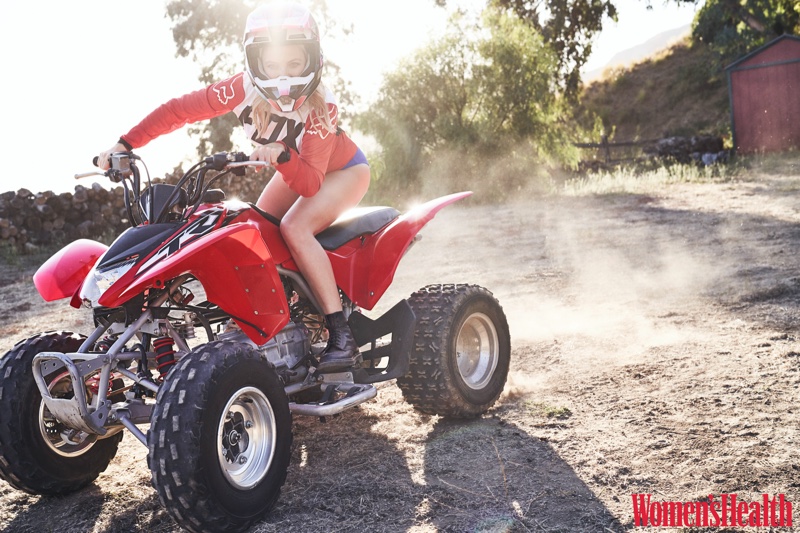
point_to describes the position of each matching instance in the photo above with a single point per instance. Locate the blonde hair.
(262, 111)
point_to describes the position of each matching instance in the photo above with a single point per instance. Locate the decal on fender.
(193, 231)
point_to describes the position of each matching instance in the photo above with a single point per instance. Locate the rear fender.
(365, 275)
(62, 275)
(237, 273)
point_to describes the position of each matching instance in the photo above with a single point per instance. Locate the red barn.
(764, 90)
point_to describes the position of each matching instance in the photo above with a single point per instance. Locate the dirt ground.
(656, 349)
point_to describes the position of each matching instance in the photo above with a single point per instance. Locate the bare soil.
(655, 350)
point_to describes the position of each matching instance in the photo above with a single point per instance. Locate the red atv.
(219, 404)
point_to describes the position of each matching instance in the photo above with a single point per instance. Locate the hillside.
(681, 90)
(641, 51)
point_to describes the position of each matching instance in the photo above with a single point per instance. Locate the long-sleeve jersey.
(315, 151)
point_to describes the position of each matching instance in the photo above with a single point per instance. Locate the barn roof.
(761, 49)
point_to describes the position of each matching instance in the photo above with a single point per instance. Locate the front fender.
(62, 275)
(237, 272)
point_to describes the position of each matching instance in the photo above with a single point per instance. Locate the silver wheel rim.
(64, 441)
(477, 350)
(246, 438)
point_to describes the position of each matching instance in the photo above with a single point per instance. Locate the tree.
(732, 28)
(568, 28)
(210, 32)
(474, 91)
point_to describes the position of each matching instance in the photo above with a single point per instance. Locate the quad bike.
(219, 404)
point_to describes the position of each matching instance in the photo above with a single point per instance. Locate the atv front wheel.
(38, 454)
(220, 438)
(462, 349)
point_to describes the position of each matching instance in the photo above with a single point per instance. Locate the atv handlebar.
(240, 164)
(239, 161)
(87, 174)
(188, 192)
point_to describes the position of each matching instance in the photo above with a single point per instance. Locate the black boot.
(342, 350)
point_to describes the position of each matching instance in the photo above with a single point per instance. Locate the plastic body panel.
(237, 272)
(62, 275)
(365, 267)
(234, 252)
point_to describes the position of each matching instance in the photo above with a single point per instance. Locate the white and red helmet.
(281, 23)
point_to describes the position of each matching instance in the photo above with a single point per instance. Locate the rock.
(33, 222)
(84, 229)
(689, 149)
(80, 196)
(706, 144)
(44, 210)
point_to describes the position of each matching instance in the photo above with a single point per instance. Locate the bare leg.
(277, 197)
(341, 190)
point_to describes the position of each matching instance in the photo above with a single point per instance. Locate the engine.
(283, 350)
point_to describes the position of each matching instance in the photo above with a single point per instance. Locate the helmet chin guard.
(279, 24)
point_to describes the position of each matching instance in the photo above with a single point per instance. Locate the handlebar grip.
(94, 161)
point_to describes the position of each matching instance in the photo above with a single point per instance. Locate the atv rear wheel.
(37, 453)
(461, 354)
(220, 438)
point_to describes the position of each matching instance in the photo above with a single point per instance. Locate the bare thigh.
(341, 190)
(277, 197)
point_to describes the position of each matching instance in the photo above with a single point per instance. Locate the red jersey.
(315, 151)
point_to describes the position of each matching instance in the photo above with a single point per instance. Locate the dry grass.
(631, 181)
(681, 91)
(782, 169)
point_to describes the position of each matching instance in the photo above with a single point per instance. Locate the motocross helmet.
(276, 24)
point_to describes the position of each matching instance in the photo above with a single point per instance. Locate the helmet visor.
(276, 61)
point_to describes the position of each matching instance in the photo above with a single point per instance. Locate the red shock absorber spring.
(165, 355)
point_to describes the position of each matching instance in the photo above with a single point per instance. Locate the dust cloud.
(565, 270)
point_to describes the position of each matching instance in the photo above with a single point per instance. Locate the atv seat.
(355, 223)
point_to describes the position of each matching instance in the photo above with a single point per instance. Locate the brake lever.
(87, 174)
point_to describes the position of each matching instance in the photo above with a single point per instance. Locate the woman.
(292, 119)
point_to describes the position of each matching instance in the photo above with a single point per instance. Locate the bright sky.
(79, 74)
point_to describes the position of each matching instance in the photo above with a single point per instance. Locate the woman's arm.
(210, 102)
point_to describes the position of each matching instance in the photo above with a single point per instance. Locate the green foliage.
(732, 28)
(479, 95)
(568, 27)
(211, 34)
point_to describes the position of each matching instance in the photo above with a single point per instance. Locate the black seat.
(355, 223)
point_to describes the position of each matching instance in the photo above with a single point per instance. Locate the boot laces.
(334, 337)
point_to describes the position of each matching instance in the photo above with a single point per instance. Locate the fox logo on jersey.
(222, 93)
